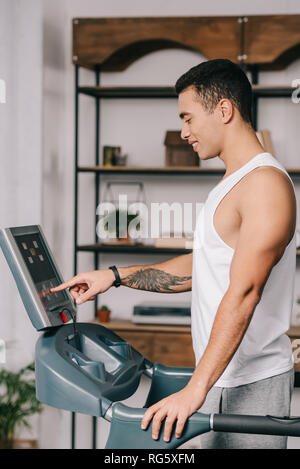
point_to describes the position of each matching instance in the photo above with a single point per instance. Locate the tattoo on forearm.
(154, 280)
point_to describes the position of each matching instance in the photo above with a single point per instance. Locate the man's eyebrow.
(183, 114)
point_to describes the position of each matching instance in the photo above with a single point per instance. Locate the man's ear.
(226, 110)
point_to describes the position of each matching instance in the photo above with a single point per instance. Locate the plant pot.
(25, 444)
(103, 315)
(6, 444)
(125, 240)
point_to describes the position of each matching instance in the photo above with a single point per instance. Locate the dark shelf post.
(76, 167)
(73, 424)
(96, 254)
(254, 81)
(97, 175)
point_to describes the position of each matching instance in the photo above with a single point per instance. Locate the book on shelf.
(264, 136)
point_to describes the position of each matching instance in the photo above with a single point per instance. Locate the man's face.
(200, 128)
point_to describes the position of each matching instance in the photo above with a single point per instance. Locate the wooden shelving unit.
(267, 42)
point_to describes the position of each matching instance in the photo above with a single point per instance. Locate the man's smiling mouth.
(194, 145)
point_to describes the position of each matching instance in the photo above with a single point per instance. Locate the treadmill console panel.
(35, 272)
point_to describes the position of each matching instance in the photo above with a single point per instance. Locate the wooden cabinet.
(294, 335)
(169, 345)
(172, 345)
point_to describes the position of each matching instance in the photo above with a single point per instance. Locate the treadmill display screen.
(40, 268)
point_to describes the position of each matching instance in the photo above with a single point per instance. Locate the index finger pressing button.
(62, 286)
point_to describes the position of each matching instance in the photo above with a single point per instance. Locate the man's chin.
(204, 157)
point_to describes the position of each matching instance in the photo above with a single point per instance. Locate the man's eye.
(189, 120)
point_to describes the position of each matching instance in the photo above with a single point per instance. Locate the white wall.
(20, 153)
(35, 53)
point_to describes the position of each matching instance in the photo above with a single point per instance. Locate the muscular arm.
(172, 276)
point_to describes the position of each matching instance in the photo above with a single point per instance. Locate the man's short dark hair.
(217, 79)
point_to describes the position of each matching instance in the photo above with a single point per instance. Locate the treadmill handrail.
(257, 424)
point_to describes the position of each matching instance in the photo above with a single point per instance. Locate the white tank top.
(265, 349)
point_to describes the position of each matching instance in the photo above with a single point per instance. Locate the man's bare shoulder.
(267, 182)
(267, 194)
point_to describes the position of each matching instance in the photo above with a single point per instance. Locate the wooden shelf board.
(272, 91)
(128, 91)
(130, 248)
(152, 170)
(135, 248)
(163, 170)
(127, 325)
(169, 92)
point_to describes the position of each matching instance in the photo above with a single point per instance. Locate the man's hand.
(87, 285)
(179, 406)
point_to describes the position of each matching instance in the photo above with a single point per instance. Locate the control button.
(63, 317)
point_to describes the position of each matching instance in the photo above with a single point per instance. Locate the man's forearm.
(172, 276)
(231, 322)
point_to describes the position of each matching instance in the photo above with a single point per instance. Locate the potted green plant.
(17, 402)
(115, 223)
(103, 313)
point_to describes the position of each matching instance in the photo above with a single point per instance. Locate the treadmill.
(86, 368)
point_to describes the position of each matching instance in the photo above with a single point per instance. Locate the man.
(241, 271)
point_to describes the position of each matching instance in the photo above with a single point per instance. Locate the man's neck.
(239, 148)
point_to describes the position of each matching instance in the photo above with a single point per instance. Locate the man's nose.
(184, 133)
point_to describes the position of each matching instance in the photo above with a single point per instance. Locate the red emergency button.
(64, 317)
